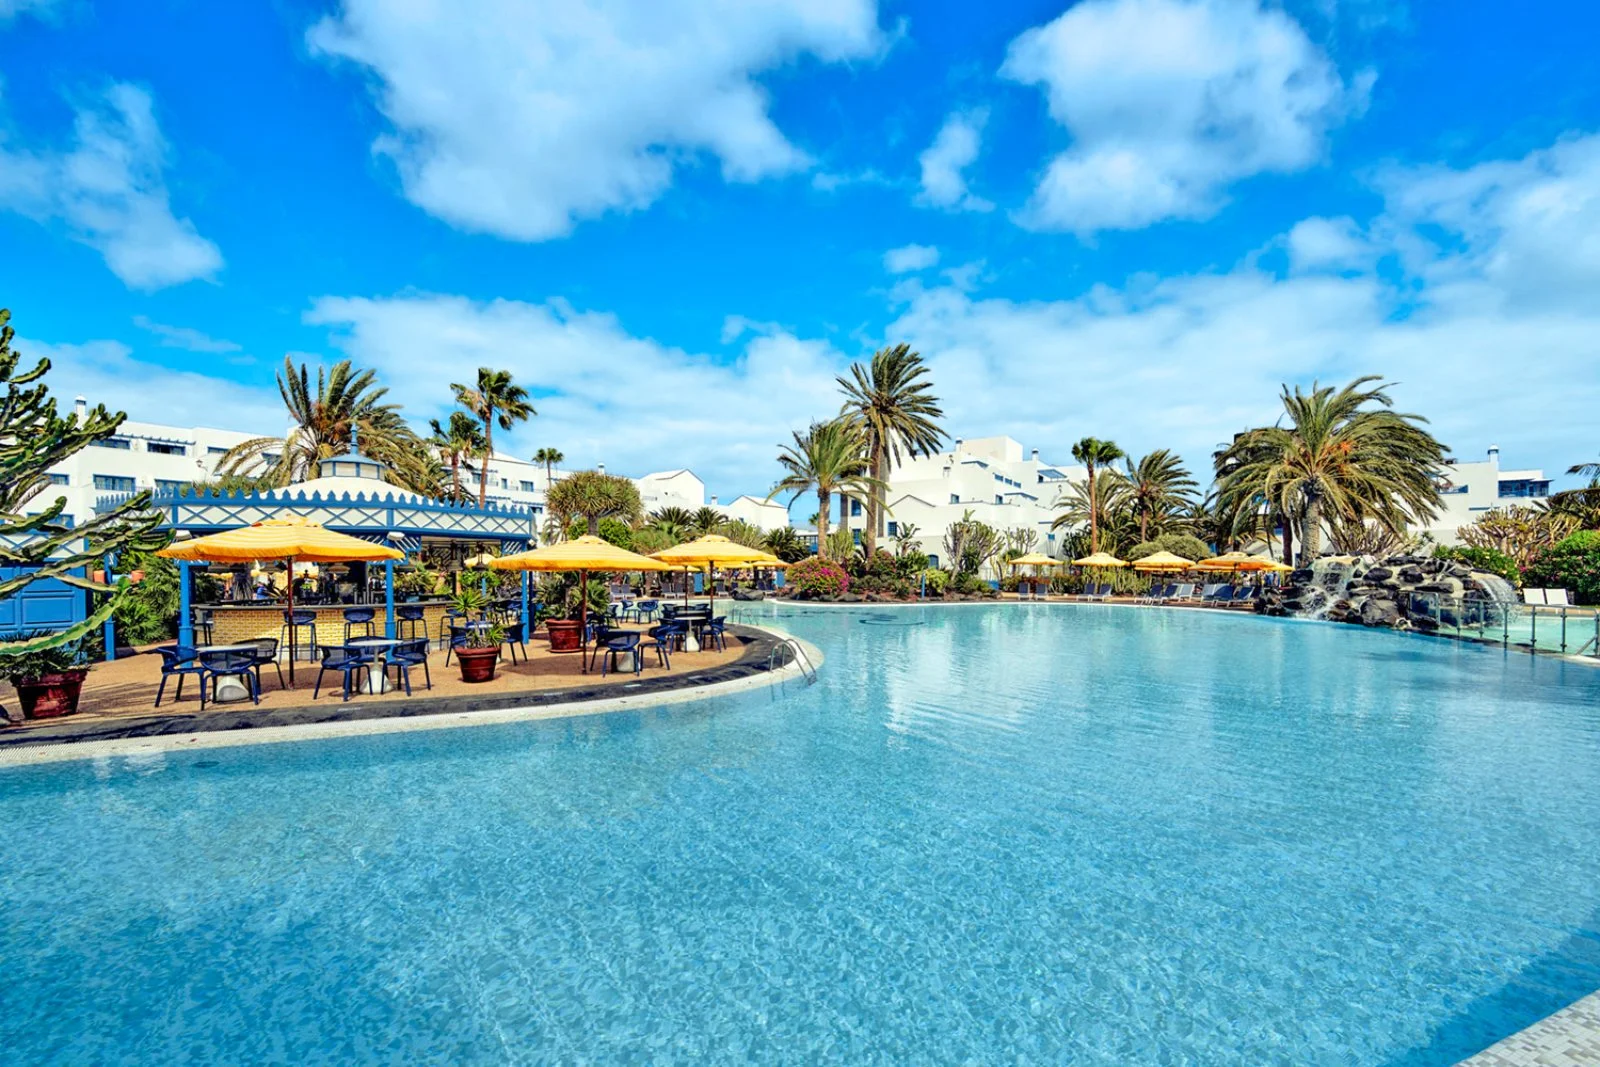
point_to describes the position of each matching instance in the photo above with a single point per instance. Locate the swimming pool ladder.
(797, 655)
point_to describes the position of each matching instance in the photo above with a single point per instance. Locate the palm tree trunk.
(1094, 513)
(870, 535)
(455, 477)
(1144, 525)
(1288, 541)
(488, 451)
(594, 525)
(844, 512)
(1311, 536)
(823, 503)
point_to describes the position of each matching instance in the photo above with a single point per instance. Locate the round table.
(376, 682)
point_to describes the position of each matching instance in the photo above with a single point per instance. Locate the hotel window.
(855, 508)
(214, 450)
(529, 487)
(955, 498)
(894, 528)
(998, 499)
(60, 479)
(116, 442)
(505, 483)
(165, 449)
(168, 485)
(113, 483)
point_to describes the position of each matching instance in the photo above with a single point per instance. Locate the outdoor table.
(226, 690)
(378, 683)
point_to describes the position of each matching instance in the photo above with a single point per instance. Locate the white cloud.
(1329, 244)
(111, 192)
(11, 8)
(908, 258)
(1170, 101)
(954, 149)
(602, 394)
(526, 117)
(190, 340)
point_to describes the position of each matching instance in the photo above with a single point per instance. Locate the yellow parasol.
(581, 554)
(293, 539)
(1036, 559)
(1256, 563)
(1100, 559)
(711, 550)
(1227, 562)
(1163, 561)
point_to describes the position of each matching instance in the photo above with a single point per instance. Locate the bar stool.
(406, 620)
(289, 633)
(447, 623)
(358, 617)
(202, 627)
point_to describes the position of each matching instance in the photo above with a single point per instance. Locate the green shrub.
(816, 578)
(1584, 539)
(613, 531)
(1573, 567)
(148, 612)
(27, 666)
(935, 580)
(1491, 560)
(1184, 545)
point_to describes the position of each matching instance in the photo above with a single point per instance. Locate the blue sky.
(677, 222)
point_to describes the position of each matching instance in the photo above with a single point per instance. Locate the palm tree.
(896, 413)
(1094, 503)
(497, 400)
(827, 458)
(549, 457)
(784, 543)
(346, 406)
(706, 521)
(1159, 486)
(1343, 454)
(459, 443)
(594, 496)
(1094, 453)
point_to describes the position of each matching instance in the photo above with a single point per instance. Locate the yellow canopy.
(714, 548)
(1035, 559)
(296, 538)
(1227, 562)
(1265, 565)
(1162, 561)
(580, 554)
(482, 559)
(1101, 559)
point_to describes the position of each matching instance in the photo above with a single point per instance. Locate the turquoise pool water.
(1021, 834)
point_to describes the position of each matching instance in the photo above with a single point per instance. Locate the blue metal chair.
(181, 662)
(459, 633)
(406, 655)
(615, 644)
(358, 617)
(714, 631)
(294, 623)
(451, 618)
(218, 665)
(514, 634)
(662, 639)
(203, 632)
(646, 610)
(407, 618)
(267, 652)
(348, 661)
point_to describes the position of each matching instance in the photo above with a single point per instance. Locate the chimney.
(601, 467)
(958, 445)
(713, 500)
(1036, 455)
(81, 407)
(1494, 454)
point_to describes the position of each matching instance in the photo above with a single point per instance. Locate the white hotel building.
(151, 456)
(992, 477)
(1470, 488)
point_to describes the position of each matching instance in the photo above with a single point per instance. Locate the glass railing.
(1571, 630)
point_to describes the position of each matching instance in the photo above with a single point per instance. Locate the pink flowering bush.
(815, 578)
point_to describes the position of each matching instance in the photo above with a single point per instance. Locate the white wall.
(1471, 488)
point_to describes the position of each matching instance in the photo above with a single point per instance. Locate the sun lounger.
(1221, 594)
(1096, 591)
(1556, 598)
(1534, 597)
(1244, 594)
(1185, 591)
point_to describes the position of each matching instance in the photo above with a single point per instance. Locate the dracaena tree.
(592, 496)
(43, 545)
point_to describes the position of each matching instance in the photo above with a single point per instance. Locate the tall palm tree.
(344, 406)
(1094, 453)
(549, 457)
(1159, 486)
(706, 521)
(828, 458)
(460, 442)
(1095, 502)
(784, 543)
(496, 400)
(1341, 454)
(892, 405)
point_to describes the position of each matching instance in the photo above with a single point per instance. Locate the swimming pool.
(1052, 833)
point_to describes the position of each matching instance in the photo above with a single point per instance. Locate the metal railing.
(1568, 630)
(796, 654)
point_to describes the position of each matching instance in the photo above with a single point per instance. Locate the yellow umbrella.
(581, 554)
(1162, 561)
(1100, 559)
(1036, 559)
(1256, 563)
(711, 550)
(1227, 562)
(292, 539)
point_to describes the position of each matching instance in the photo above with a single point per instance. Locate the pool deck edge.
(1569, 1038)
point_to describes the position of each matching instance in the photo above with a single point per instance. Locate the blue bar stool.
(294, 623)
(406, 620)
(358, 617)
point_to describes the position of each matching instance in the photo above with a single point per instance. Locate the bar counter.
(233, 623)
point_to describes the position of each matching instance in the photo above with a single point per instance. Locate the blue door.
(49, 604)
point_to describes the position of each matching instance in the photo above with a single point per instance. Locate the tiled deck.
(1569, 1038)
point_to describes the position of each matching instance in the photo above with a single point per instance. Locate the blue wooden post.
(527, 619)
(185, 598)
(388, 599)
(110, 628)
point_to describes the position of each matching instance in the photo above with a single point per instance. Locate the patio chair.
(267, 652)
(235, 664)
(407, 618)
(1534, 597)
(663, 639)
(715, 631)
(1220, 594)
(348, 661)
(614, 644)
(459, 633)
(203, 631)
(181, 662)
(514, 634)
(1244, 594)
(294, 624)
(646, 610)
(1185, 592)
(1103, 591)
(358, 619)
(406, 655)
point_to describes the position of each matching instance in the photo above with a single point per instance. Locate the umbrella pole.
(292, 628)
(583, 621)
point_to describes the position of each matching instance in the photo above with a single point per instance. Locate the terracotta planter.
(51, 695)
(477, 664)
(566, 635)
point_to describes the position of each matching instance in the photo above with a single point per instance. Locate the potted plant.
(481, 652)
(48, 681)
(566, 634)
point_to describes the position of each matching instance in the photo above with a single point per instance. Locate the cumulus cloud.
(527, 117)
(1329, 244)
(1170, 101)
(190, 340)
(954, 149)
(110, 192)
(592, 379)
(908, 258)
